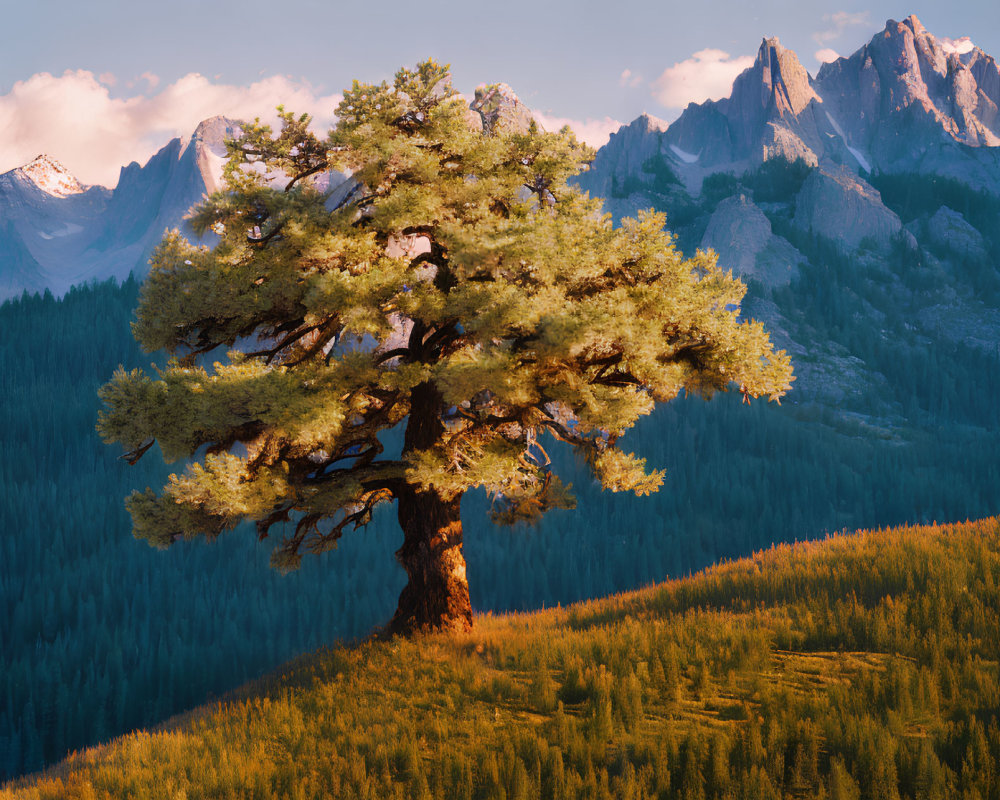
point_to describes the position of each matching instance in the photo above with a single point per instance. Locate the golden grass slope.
(864, 665)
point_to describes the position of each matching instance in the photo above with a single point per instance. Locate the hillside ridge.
(864, 664)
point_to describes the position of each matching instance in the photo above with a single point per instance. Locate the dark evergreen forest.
(100, 634)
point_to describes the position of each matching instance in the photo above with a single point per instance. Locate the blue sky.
(100, 83)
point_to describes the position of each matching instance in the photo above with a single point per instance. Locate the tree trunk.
(437, 596)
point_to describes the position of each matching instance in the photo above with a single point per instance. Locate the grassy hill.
(860, 666)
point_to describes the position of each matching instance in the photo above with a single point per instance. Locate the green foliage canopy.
(460, 284)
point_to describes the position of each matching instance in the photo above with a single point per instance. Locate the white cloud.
(594, 132)
(839, 22)
(629, 79)
(73, 117)
(826, 54)
(707, 75)
(959, 46)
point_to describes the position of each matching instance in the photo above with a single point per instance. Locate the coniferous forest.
(101, 634)
(863, 666)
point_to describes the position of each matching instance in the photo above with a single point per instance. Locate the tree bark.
(437, 595)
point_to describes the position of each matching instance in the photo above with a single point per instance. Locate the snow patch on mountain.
(51, 177)
(865, 165)
(683, 155)
(66, 230)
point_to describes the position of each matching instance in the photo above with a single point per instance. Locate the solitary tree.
(457, 287)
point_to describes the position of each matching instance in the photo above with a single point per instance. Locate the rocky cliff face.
(740, 233)
(840, 206)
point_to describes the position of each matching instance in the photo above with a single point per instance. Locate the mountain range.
(890, 155)
(56, 232)
(906, 102)
(870, 192)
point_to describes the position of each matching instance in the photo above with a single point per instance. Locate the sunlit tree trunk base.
(437, 595)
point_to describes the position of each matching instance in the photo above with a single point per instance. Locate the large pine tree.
(458, 286)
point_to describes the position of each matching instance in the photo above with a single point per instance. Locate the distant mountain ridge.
(56, 232)
(905, 101)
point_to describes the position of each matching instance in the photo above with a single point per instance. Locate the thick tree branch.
(290, 339)
(280, 514)
(133, 456)
(434, 343)
(618, 378)
(317, 346)
(389, 355)
(311, 171)
(376, 475)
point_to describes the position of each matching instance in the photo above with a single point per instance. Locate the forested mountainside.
(863, 666)
(102, 634)
(851, 313)
(874, 266)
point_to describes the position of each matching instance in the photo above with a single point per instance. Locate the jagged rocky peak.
(765, 116)
(209, 141)
(214, 131)
(934, 84)
(51, 177)
(920, 64)
(784, 82)
(497, 105)
(776, 87)
(767, 105)
(956, 83)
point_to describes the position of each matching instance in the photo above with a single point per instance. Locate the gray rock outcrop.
(837, 204)
(740, 233)
(950, 231)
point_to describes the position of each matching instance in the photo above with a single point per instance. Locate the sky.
(102, 83)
